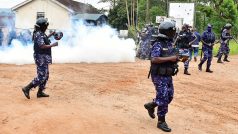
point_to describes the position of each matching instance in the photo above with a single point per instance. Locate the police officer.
(1, 37)
(208, 39)
(184, 41)
(146, 44)
(225, 37)
(42, 57)
(163, 67)
(195, 45)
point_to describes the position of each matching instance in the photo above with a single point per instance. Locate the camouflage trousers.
(164, 95)
(42, 73)
(207, 56)
(224, 49)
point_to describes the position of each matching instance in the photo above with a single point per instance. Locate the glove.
(183, 55)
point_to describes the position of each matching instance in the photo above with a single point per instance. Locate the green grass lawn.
(233, 48)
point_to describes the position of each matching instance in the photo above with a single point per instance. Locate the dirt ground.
(109, 98)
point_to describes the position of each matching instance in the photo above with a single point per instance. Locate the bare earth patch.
(109, 99)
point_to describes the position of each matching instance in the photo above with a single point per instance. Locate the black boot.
(219, 60)
(40, 93)
(200, 67)
(186, 71)
(26, 90)
(151, 108)
(162, 124)
(225, 58)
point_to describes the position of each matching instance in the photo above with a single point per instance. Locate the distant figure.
(42, 56)
(1, 37)
(12, 35)
(195, 45)
(225, 38)
(208, 39)
(184, 41)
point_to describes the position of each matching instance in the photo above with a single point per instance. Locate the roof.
(78, 7)
(70, 5)
(87, 16)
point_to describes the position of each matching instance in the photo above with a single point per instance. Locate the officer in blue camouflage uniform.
(145, 51)
(225, 37)
(184, 41)
(208, 39)
(42, 57)
(163, 67)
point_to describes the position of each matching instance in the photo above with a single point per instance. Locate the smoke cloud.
(82, 43)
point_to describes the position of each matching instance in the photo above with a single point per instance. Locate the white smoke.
(82, 43)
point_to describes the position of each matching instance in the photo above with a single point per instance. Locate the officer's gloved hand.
(183, 58)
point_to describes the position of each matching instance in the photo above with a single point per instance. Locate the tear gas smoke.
(82, 43)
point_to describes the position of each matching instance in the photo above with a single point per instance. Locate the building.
(91, 19)
(58, 12)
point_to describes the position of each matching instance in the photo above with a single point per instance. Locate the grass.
(233, 48)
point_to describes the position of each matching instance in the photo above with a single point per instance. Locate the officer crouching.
(163, 67)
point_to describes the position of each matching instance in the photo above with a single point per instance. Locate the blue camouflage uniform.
(209, 38)
(145, 51)
(163, 84)
(42, 59)
(225, 37)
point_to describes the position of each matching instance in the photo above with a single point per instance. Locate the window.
(40, 15)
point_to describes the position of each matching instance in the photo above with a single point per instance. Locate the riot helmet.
(209, 28)
(167, 28)
(42, 24)
(228, 26)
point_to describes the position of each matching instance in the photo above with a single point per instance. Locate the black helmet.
(167, 28)
(228, 26)
(42, 23)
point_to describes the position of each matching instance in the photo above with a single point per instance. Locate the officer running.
(225, 38)
(163, 67)
(208, 39)
(42, 57)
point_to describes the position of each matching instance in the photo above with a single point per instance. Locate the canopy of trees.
(126, 14)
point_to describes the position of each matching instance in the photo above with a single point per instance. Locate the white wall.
(58, 17)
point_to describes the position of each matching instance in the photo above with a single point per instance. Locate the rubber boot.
(186, 71)
(225, 59)
(200, 66)
(195, 59)
(162, 124)
(219, 60)
(208, 69)
(40, 94)
(151, 108)
(26, 90)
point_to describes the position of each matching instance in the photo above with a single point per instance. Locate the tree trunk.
(128, 17)
(147, 17)
(137, 13)
(133, 13)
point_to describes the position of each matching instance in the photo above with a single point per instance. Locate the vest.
(183, 42)
(39, 50)
(166, 68)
